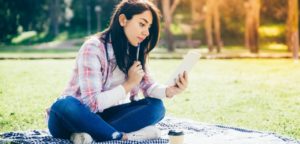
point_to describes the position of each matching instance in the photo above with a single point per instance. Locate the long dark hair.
(119, 41)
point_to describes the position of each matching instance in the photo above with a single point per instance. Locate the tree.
(168, 11)
(17, 16)
(292, 28)
(252, 21)
(274, 11)
(197, 11)
(212, 25)
(54, 17)
(88, 16)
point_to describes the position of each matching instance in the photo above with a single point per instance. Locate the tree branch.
(174, 5)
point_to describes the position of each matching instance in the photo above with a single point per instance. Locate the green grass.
(254, 94)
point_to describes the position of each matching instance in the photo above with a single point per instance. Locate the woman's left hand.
(180, 86)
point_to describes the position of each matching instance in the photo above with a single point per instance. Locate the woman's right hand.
(135, 76)
(135, 73)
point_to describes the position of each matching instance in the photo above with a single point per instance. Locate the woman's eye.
(142, 25)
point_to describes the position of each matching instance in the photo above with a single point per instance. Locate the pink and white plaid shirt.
(88, 85)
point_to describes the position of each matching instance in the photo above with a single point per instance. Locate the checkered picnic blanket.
(195, 133)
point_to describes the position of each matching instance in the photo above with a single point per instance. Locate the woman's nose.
(146, 32)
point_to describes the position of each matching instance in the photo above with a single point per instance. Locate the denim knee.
(158, 107)
(66, 105)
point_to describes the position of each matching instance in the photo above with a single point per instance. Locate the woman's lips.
(140, 39)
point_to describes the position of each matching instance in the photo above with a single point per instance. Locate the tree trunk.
(212, 25)
(88, 17)
(197, 12)
(208, 24)
(217, 27)
(292, 28)
(194, 10)
(54, 14)
(252, 21)
(168, 11)
(247, 24)
(256, 26)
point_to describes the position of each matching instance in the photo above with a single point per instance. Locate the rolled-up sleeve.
(152, 89)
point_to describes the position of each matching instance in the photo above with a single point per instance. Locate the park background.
(248, 74)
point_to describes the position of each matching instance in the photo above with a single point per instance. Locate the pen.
(138, 52)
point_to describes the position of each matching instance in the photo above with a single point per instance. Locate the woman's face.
(137, 28)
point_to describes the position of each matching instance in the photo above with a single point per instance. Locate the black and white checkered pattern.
(203, 133)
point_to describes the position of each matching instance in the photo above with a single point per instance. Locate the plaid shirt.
(88, 79)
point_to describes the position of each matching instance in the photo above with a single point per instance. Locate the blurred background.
(248, 75)
(214, 24)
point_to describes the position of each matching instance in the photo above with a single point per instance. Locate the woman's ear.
(122, 20)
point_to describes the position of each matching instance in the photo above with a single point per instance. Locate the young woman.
(100, 99)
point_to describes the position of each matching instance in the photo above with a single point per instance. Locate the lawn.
(249, 93)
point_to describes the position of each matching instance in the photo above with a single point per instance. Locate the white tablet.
(189, 60)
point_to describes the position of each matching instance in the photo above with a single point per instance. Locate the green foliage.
(34, 16)
(19, 17)
(30, 15)
(273, 33)
(80, 15)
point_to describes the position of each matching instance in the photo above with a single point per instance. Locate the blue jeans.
(69, 115)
